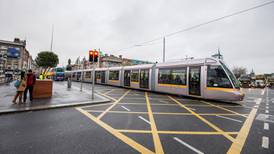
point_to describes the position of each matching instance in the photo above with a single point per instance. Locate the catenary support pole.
(164, 49)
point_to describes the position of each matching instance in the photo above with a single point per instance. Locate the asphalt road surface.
(143, 122)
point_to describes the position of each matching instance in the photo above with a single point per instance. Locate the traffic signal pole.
(93, 78)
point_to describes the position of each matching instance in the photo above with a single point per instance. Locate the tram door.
(103, 76)
(194, 82)
(127, 78)
(144, 79)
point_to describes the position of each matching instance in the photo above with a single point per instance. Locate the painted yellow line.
(203, 119)
(126, 112)
(134, 82)
(172, 85)
(207, 105)
(155, 135)
(107, 96)
(222, 108)
(150, 104)
(134, 131)
(109, 108)
(239, 142)
(176, 132)
(166, 113)
(117, 134)
(196, 133)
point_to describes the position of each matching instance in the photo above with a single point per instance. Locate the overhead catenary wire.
(197, 26)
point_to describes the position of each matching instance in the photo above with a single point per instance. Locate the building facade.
(14, 58)
(106, 61)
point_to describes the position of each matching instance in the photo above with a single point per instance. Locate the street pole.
(82, 78)
(93, 78)
(164, 49)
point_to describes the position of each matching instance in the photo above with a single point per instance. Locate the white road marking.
(125, 108)
(265, 142)
(163, 101)
(267, 104)
(263, 92)
(258, 101)
(267, 107)
(256, 106)
(266, 126)
(266, 111)
(228, 118)
(144, 119)
(187, 145)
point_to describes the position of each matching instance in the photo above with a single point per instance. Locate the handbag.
(17, 83)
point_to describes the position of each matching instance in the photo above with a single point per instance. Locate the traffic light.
(93, 56)
(96, 55)
(90, 56)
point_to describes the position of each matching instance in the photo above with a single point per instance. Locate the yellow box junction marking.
(239, 142)
(109, 108)
(203, 119)
(107, 96)
(176, 132)
(217, 106)
(155, 135)
(117, 134)
(164, 113)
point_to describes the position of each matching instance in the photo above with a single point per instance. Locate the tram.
(207, 78)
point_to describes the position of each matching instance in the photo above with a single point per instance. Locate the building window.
(216, 77)
(134, 76)
(113, 75)
(176, 76)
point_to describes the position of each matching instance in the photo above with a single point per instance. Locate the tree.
(239, 71)
(46, 59)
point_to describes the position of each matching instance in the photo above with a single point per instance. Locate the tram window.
(113, 75)
(98, 75)
(178, 76)
(134, 76)
(216, 77)
(231, 76)
(88, 75)
(172, 76)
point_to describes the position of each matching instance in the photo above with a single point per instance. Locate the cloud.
(245, 40)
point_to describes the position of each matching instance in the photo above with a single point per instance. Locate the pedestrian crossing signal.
(93, 56)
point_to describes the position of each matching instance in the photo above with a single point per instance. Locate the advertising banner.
(13, 53)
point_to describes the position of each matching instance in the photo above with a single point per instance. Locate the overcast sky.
(245, 40)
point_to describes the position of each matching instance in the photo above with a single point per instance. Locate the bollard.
(69, 83)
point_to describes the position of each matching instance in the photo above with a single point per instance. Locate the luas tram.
(207, 78)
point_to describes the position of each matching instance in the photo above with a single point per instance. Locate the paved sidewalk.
(62, 97)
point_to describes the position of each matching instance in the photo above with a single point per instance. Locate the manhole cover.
(265, 117)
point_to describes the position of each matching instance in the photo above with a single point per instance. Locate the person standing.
(21, 88)
(30, 83)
